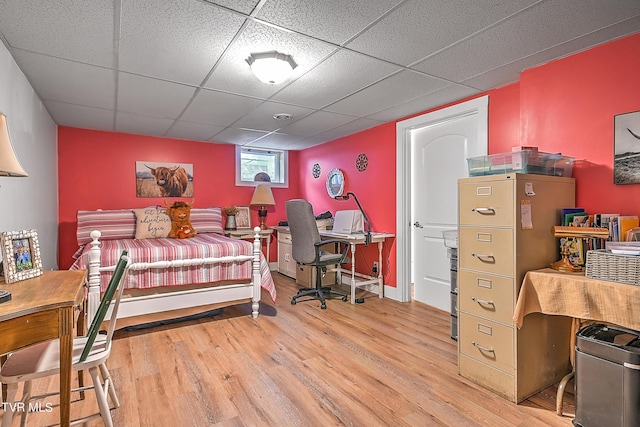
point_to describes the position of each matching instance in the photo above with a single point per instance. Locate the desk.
(249, 234)
(43, 309)
(574, 295)
(365, 279)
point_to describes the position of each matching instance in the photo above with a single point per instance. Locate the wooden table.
(42, 309)
(574, 295)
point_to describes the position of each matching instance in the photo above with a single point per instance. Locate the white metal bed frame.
(179, 299)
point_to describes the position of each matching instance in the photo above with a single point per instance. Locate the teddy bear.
(180, 214)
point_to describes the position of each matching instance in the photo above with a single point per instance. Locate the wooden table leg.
(66, 318)
(81, 329)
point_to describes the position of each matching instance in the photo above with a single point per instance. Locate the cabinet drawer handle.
(483, 348)
(484, 258)
(483, 302)
(484, 211)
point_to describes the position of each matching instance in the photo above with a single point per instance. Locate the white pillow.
(152, 223)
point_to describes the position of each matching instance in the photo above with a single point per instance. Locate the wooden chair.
(89, 352)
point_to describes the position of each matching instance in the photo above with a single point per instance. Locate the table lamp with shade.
(9, 166)
(262, 197)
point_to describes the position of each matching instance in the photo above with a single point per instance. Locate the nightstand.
(248, 234)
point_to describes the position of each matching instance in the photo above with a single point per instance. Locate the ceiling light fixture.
(271, 67)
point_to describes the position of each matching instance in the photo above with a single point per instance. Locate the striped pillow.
(208, 220)
(113, 224)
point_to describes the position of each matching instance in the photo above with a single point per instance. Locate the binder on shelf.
(626, 223)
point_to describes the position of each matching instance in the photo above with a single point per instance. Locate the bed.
(169, 274)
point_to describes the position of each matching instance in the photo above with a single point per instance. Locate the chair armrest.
(322, 243)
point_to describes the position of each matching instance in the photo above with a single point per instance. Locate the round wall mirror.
(335, 183)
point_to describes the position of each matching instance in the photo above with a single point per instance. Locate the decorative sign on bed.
(154, 179)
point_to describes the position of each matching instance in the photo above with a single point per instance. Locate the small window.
(259, 164)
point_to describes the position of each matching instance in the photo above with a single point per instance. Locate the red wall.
(375, 187)
(97, 171)
(569, 105)
(564, 106)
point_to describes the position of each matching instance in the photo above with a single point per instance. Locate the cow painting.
(172, 182)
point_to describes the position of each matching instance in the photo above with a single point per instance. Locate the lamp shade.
(9, 164)
(262, 196)
(271, 67)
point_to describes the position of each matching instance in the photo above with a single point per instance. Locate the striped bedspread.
(201, 246)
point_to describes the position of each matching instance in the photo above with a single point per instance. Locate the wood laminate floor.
(380, 363)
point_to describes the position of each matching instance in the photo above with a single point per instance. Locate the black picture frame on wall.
(626, 157)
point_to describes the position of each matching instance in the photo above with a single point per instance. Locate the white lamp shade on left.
(9, 164)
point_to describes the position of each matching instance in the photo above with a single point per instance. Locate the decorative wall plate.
(362, 162)
(316, 171)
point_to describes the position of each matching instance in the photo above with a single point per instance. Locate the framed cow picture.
(164, 179)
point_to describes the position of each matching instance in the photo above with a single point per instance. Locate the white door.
(435, 152)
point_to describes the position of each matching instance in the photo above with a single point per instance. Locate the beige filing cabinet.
(505, 224)
(304, 275)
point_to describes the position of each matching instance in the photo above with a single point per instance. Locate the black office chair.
(306, 249)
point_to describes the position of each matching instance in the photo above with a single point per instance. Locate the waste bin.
(451, 242)
(607, 366)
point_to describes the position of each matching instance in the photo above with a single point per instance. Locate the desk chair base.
(318, 294)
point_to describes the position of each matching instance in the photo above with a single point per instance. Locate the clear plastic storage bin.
(525, 161)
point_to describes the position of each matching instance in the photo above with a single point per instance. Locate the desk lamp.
(262, 197)
(367, 237)
(9, 166)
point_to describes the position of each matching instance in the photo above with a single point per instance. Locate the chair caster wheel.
(293, 301)
(323, 306)
(344, 299)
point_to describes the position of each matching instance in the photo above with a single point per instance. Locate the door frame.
(479, 106)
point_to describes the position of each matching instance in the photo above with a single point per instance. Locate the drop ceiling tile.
(238, 136)
(193, 131)
(261, 118)
(333, 20)
(67, 81)
(217, 108)
(342, 74)
(346, 129)
(79, 30)
(142, 125)
(544, 26)
(432, 100)
(152, 97)
(276, 139)
(390, 92)
(418, 29)
(177, 40)
(79, 116)
(244, 6)
(315, 123)
(510, 72)
(234, 75)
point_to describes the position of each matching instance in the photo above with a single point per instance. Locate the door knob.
(418, 225)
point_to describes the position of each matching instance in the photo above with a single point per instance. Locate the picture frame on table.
(20, 255)
(243, 218)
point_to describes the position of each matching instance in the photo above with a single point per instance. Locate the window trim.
(284, 168)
